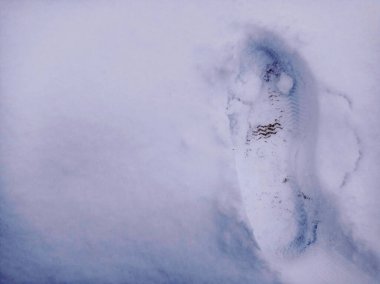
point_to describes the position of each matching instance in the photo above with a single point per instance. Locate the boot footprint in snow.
(272, 111)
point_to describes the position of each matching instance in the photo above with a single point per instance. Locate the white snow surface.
(120, 162)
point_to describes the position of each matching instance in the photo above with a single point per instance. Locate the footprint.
(272, 110)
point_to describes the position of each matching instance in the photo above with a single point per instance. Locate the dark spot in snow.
(304, 196)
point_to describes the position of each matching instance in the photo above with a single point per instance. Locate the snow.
(285, 83)
(123, 149)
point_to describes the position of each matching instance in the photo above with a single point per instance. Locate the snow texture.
(189, 142)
